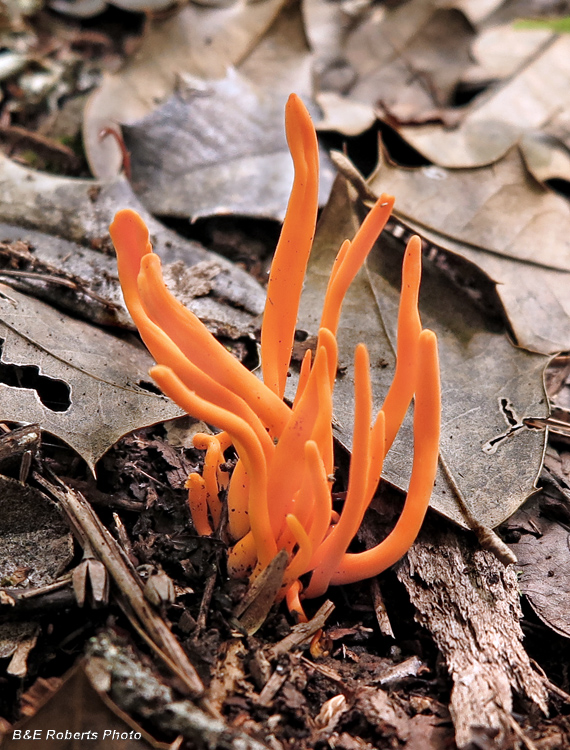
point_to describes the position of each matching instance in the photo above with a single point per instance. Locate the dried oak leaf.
(74, 380)
(503, 221)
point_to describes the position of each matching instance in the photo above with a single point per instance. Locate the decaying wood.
(229, 672)
(20, 444)
(113, 667)
(380, 609)
(91, 533)
(273, 686)
(470, 604)
(401, 673)
(328, 672)
(205, 603)
(18, 441)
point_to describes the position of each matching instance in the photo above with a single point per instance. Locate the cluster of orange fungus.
(279, 494)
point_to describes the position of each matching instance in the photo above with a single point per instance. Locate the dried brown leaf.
(75, 381)
(90, 8)
(475, 10)
(542, 552)
(494, 123)
(500, 50)
(406, 60)
(75, 708)
(500, 219)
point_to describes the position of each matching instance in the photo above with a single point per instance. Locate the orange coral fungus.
(279, 495)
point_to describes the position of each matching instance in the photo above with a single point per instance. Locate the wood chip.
(301, 632)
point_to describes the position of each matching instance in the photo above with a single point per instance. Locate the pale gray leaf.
(220, 150)
(197, 41)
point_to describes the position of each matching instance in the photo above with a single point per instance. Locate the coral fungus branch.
(293, 249)
(279, 495)
(247, 446)
(355, 567)
(353, 256)
(197, 502)
(409, 328)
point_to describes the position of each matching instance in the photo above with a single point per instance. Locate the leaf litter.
(289, 701)
(49, 706)
(496, 217)
(538, 532)
(192, 41)
(75, 381)
(37, 548)
(231, 155)
(67, 222)
(402, 62)
(493, 124)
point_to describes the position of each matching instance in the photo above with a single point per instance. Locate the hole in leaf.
(150, 387)
(53, 393)
(508, 411)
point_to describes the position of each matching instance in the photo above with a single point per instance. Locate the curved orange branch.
(330, 552)
(352, 260)
(247, 446)
(401, 390)
(197, 503)
(355, 567)
(293, 249)
(199, 346)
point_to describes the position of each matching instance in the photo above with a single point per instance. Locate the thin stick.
(89, 529)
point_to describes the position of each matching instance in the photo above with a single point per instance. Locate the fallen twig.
(23, 602)
(89, 530)
(137, 690)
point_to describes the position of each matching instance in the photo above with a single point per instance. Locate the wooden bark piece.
(470, 604)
